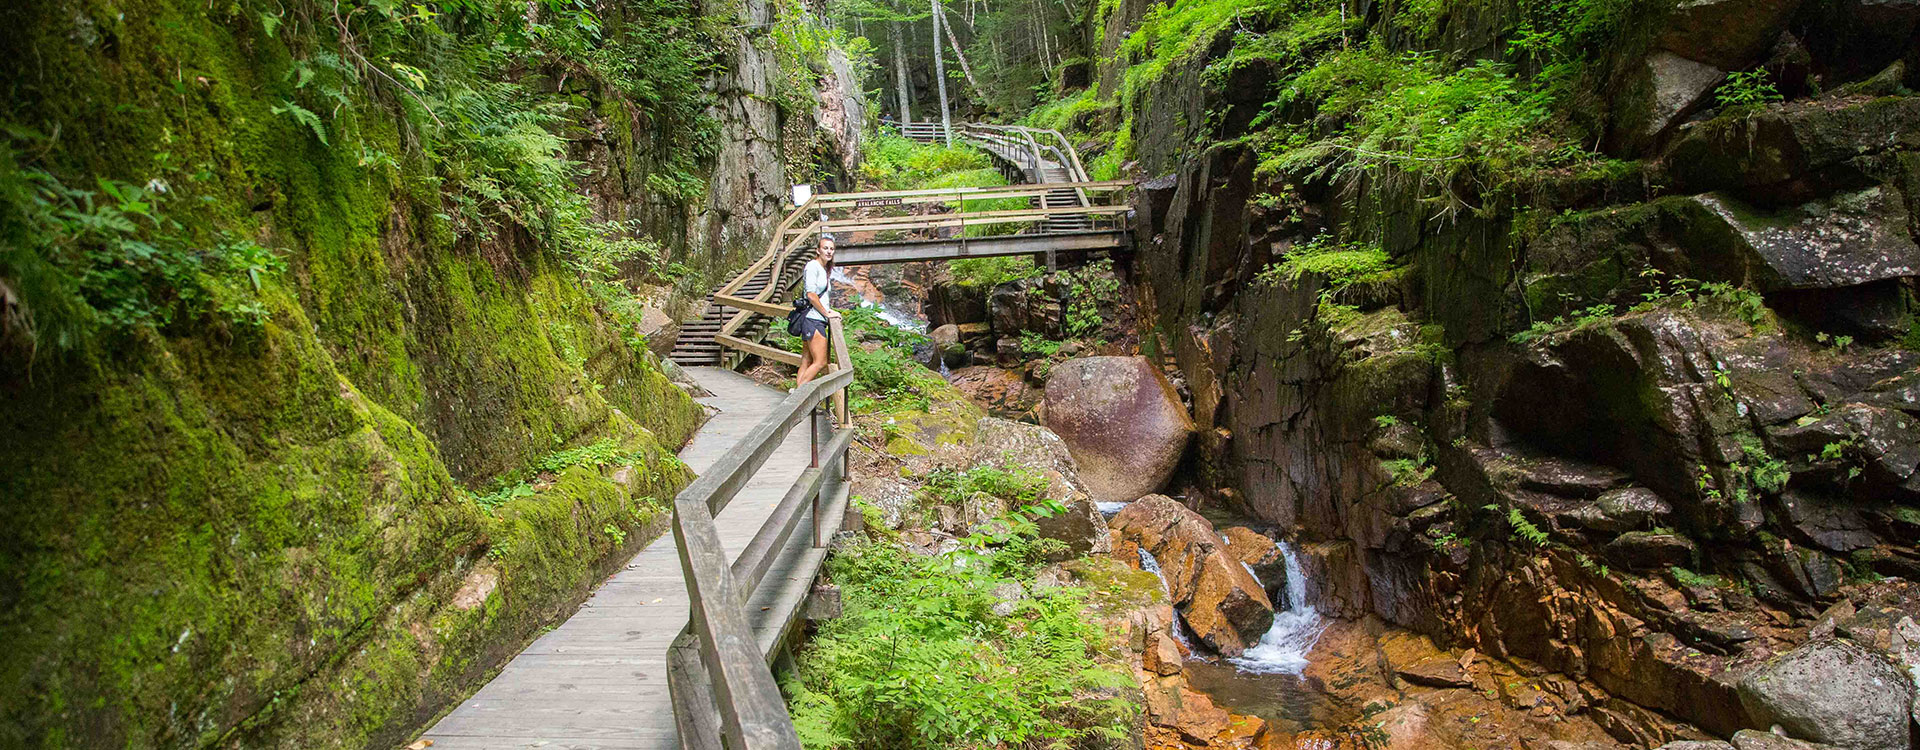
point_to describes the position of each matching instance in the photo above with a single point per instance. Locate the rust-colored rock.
(1122, 420)
(1226, 608)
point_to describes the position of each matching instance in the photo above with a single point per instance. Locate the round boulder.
(1834, 692)
(1122, 421)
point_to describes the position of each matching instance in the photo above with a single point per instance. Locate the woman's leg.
(813, 358)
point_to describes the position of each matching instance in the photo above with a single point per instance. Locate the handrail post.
(838, 337)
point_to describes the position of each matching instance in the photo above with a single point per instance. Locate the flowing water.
(1152, 565)
(1284, 647)
(1267, 680)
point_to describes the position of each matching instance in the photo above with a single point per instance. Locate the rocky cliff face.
(1650, 434)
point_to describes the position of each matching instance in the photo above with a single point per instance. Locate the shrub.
(920, 660)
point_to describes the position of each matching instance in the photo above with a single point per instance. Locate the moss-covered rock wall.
(312, 502)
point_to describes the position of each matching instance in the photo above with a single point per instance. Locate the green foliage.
(1408, 472)
(1022, 486)
(1522, 528)
(920, 660)
(600, 455)
(1091, 291)
(989, 272)
(110, 257)
(1689, 579)
(886, 378)
(1341, 264)
(891, 162)
(1747, 89)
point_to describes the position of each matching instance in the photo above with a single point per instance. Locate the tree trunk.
(964, 66)
(940, 74)
(902, 85)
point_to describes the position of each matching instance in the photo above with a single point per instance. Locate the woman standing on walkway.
(816, 283)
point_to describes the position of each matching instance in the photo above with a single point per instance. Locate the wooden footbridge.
(675, 650)
(1066, 214)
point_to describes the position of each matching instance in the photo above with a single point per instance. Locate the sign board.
(802, 193)
(871, 202)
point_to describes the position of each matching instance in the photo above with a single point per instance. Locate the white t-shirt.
(814, 279)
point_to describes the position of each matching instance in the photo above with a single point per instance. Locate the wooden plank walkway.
(600, 679)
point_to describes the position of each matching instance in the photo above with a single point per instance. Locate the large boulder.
(1669, 87)
(1727, 34)
(1122, 420)
(1225, 607)
(1832, 691)
(1843, 241)
(1794, 151)
(1030, 447)
(1747, 739)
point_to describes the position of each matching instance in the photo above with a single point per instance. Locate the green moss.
(257, 538)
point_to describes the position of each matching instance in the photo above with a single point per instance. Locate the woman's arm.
(821, 305)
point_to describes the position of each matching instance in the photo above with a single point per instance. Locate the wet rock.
(1435, 671)
(1162, 656)
(1263, 556)
(1697, 745)
(1875, 311)
(1626, 509)
(1747, 739)
(1080, 527)
(947, 348)
(1727, 34)
(1885, 442)
(1226, 608)
(1003, 393)
(1793, 152)
(1830, 524)
(951, 303)
(1566, 477)
(1900, 392)
(1847, 240)
(1121, 419)
(1673, 87)
(1646, 550)
(1832, 691)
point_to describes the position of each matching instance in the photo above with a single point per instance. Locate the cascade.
(1284, 647)
(1152, 565)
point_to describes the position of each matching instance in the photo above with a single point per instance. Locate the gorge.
(1475, 374)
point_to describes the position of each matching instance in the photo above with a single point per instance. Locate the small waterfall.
(1152, 565)
(1284, 647)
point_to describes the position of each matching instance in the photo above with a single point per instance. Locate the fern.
(303, 116)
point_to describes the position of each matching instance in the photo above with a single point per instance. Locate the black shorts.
(810, 327)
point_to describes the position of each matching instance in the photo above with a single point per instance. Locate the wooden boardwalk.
(600, 679)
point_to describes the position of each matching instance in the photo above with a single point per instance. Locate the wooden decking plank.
(599, 680)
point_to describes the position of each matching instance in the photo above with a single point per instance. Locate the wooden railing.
(1100, 202)
(723, 690)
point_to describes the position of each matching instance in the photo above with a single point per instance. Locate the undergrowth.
(920, 659)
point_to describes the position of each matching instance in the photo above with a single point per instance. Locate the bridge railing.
(718, 672)
(1101, 203)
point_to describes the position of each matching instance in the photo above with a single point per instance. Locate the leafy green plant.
(987, 273)
(1747, 89)
(1521, 527)
(920, 659)
(110, 258)
(1341, 264)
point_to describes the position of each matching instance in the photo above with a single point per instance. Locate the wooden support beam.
(755, 348)
(978, 247)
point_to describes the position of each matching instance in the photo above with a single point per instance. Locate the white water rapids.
(1284, 647)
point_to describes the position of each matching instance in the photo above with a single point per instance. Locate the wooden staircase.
(696, 346)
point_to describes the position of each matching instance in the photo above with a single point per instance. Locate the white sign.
(801, 194)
